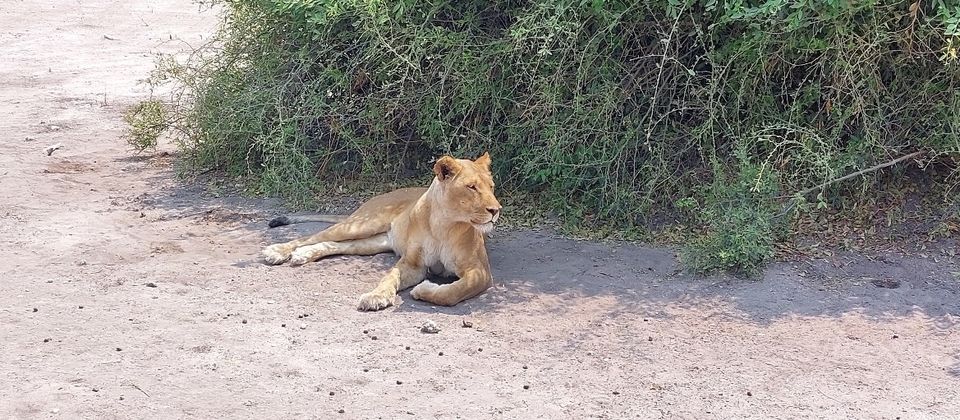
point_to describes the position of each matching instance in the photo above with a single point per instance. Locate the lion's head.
(466, 190)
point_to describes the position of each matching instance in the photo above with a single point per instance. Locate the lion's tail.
(289, 220)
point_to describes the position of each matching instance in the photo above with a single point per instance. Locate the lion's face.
(466, 190)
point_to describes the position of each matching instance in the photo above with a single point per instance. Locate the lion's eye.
(472, 187)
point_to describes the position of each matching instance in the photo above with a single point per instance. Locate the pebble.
(243, 322)
(283, 325)
(35, 309)
(373, 337)
(340, 411)
(429, 327)
(151, 284)
(399, 382)
(466, 324)
(886, 283)
(441, 353)
(526, 387)
(331, 393)
(46, 340)
(119, 349)
(749, 394)
(303, 326)
(52, 148)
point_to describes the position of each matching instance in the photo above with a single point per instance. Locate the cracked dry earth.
(128, 294)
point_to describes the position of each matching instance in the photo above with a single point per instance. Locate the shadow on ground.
(642, 281)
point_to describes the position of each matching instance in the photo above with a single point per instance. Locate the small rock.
(96, 390)
(29, 139)
(119, 349)
(151, 284)
(303, 326)
(749, 394)
(399, 382)
(649, 338)
(524, 366)
(80, 307)
(35, 309)
(340, 411)
(408, 347)
(429, 327)
(55, 410)
(52, 148)
(526, 387)
(46, 340)
(466, 324)
(896, 336)
(331, 393)
(480, 349)
(885, 283)
(243, 322)
(441, 353)
(616, 392)
(365, 331)
(283, 325)
(373, 337)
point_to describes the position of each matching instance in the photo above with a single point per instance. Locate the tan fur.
(438, 229)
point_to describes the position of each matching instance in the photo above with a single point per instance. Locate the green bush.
(609, 112)
(145, 121)
(741, 221)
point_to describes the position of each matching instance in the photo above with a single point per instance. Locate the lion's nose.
(494, 211)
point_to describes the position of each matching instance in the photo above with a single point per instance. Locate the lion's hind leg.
(367, 246)
(354, 228)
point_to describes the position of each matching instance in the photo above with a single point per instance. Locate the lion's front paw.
(422, 291)
(301, 256)
(275, 254)
(374, 301)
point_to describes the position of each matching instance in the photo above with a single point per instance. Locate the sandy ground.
(572, 330)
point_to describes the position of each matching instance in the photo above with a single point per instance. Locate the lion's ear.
(483, 160)
(446, 168)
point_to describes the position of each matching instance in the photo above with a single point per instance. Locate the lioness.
(437, 229)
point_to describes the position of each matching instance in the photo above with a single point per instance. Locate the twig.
(860, 172)
(793, 203)
(138, 389)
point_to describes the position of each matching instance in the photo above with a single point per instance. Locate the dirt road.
(126, 294)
